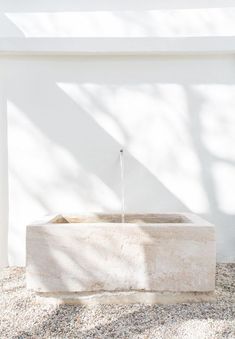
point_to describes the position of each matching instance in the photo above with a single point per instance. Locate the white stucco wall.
(68, 117)
(3, 174)
(111, 18)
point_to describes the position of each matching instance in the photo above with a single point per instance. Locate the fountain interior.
(117, 218)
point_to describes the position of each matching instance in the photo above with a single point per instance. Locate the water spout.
(122, 184)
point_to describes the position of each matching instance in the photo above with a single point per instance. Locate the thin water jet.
(122, 184)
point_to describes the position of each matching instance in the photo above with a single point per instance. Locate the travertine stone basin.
(97, 254)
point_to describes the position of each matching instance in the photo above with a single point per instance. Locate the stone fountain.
(122, 258)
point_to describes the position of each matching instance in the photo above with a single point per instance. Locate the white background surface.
(68, 117)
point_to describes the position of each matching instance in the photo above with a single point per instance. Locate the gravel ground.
(21, 317)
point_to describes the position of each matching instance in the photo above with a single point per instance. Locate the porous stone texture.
(21, 316)
(111, 256)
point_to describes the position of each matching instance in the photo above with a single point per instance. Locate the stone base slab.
(129, 297)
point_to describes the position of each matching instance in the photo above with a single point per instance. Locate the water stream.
(122, 184)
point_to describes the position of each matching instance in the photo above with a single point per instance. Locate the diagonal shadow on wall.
(69, 125)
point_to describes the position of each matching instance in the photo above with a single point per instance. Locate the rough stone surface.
(21, 317)
(95, 256)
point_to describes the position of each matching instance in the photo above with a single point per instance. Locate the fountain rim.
(186, 219)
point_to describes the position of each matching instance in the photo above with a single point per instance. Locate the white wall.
(3, 174)
(69, 116)
(111, 18)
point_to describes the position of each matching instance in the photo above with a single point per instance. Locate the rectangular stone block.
(153, 252)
